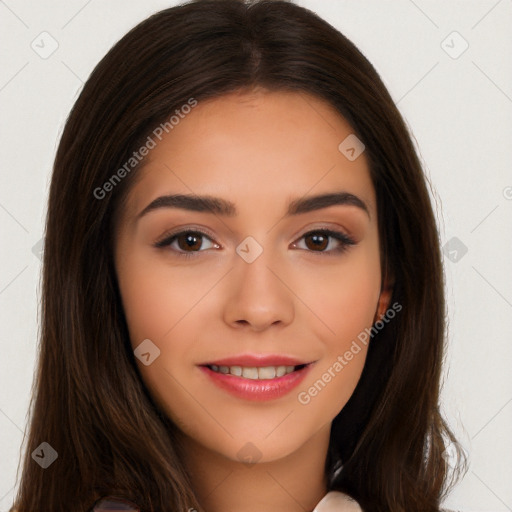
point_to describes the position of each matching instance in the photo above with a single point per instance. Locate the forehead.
(251, 147)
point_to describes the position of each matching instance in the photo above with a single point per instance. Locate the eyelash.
(345, 241)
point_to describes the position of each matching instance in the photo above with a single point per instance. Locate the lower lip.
(257, 390)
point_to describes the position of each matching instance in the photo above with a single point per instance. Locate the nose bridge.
(254, 273)
(257, 296)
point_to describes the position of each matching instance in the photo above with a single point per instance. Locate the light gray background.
(459, 109)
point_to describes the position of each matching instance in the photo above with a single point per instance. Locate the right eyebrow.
(192, 203)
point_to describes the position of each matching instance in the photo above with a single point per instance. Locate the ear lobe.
(384, 300)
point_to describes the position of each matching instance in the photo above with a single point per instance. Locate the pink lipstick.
(257, 377)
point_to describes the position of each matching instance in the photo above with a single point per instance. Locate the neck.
(295, 483)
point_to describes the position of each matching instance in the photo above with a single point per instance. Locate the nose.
(258, 296)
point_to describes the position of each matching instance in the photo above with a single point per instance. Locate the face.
(261, 281)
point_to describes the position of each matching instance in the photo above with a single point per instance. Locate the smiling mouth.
(256, 372)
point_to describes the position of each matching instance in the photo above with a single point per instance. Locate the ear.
(384, 298)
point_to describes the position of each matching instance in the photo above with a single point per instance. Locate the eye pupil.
(191, 241)
(319, 241)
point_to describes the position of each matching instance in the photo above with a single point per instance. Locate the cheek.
(346, 306)
(167, 306)
(347, 311)
(156, 297)
(344, 297)
(162, 304)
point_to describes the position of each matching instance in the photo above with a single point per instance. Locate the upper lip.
(262, 360)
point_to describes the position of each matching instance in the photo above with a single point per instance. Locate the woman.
(243, 296)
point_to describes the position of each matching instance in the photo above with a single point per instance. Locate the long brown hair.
(89, 402)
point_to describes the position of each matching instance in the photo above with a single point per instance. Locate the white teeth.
(280, 371)
(261, 373)
(268, 372)
(236, 370)
(250, 373)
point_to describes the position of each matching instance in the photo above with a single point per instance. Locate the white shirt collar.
(335, 501)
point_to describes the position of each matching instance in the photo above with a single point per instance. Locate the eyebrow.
(219, 206)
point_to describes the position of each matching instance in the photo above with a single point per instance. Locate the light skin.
(300, 297)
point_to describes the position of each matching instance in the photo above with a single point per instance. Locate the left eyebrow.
(312, 203)
(219, 206)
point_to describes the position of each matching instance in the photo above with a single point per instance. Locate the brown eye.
(325, 241)
(189, 241)
(316, 241)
